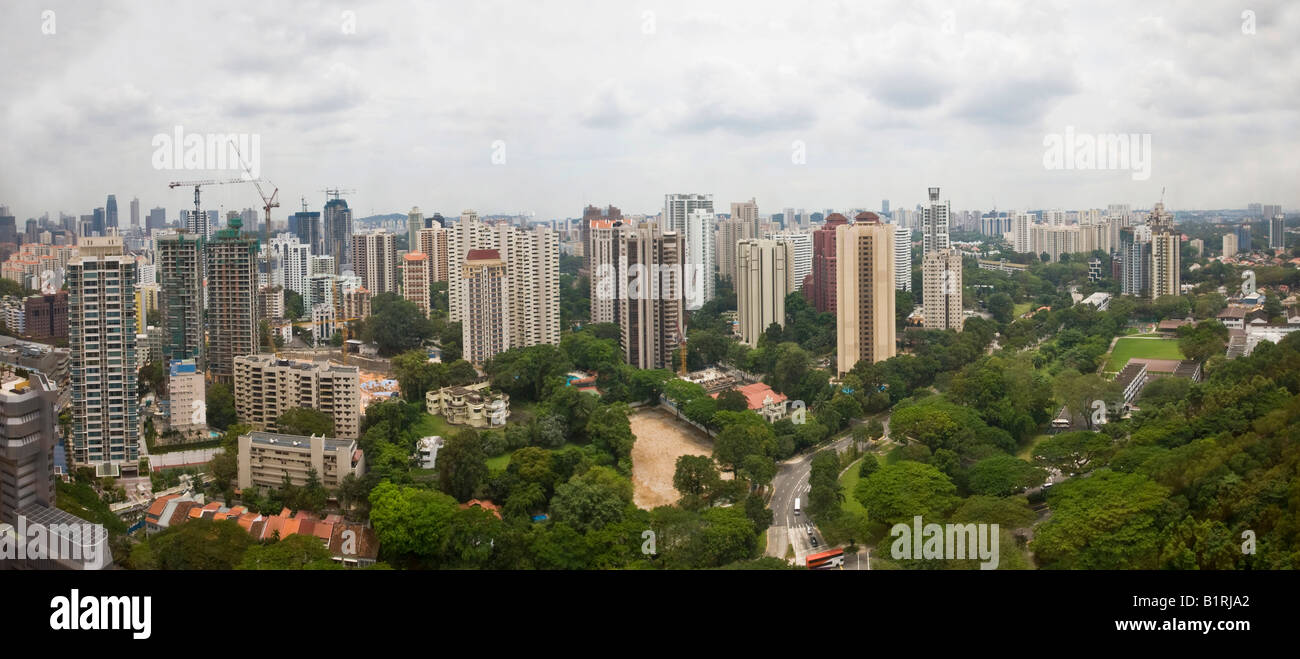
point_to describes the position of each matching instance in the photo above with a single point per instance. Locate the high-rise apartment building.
(1135, 260)
(1229, 244)
(934, 223)
(942, 289)
(433, 241)
(701, 258)
(801, 254)
(101, 336)
(135, 213)
(485, 329)
(232, 300)
(415, 280)
(336, 233)
(650, 298)
(266, 387)
(374, 259)
(157, 220)
(414, 222)
(293, 263)
(1166, 253)
(762, 283)
(902, 258)
(864, 317)
(747, 213)
(180, 295)
(1277, 231)
(678, 207)
(820, 291)
(531, 257)
(729, 234)
(1020, 226)
(308, 228)
(27, 440)
(602, 255)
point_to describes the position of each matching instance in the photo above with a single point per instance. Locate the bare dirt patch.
(660, 439)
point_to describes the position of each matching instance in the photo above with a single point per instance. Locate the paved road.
(790, 483)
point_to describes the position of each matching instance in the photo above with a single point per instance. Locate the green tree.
(695, 477)
(1105, 522)
(305, 421)
(897, 492)
(295, 552)
(396, 325)
(1002, 475)
(462, 465)
(1001, 306)
(220, 406)
(1203, 340)
(592, 500)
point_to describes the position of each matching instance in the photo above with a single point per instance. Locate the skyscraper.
(821, 290)
(180, 303)
(941, 281)
(934, 224)
(232, 300)
(1135, 260)
(157, 220)
(650, 306)
(293, 259)
(701, 258)
(1277, 231)
(677, 207)
(414, 222)
(747, 212)
(864, 318)
(532, 259)
(433, 241)
(762, 282)
(27, 440)
(337, 232)
(101, 338)
(415, 280)
(485, 329)
(730, 232)
(602, 254)
(1166, 253)
(902, 258)
(135, 214)
(801, 254)
(1020, 232)
(1244, 243)
(110, 212)
(306, 225)
(374, 259)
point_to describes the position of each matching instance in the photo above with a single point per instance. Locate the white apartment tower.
(101, 338)
(701, 258)
(934, 223)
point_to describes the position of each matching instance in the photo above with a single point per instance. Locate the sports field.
(1129, 347)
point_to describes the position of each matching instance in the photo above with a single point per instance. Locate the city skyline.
(837, 108)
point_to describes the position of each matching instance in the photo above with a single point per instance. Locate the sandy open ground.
(660, 440)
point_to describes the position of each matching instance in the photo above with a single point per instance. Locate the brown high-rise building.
(650, 306)
(47, 315)
(821, 293)
(864, 254)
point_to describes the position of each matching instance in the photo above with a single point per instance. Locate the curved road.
(790, 483)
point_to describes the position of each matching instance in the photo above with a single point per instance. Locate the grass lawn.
(1027, 453)
(850, 481)
(430, 425)
(1021, 308)
(1129, 347)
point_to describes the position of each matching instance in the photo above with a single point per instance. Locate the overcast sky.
(620, 102)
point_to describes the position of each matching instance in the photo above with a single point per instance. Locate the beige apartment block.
(266, 457)
(864, 294)
(266, 387)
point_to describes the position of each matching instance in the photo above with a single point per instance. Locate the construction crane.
(268, 203)
(198, 209)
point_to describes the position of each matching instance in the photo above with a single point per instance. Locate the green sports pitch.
(1130, 347)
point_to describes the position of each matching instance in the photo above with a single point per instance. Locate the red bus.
(826, 560)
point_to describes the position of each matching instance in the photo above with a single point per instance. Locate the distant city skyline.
(839, 107)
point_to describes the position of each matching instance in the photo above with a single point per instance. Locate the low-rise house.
(474, 405)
